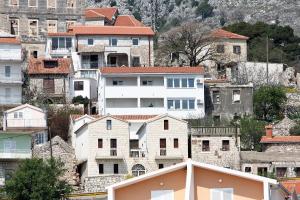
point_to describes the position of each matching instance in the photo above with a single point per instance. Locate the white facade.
(10, 74)
(150, 94)
(85, 87)
(60, 45)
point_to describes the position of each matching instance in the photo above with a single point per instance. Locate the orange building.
(197, 181)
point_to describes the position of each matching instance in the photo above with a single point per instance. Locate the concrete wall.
(10, 52)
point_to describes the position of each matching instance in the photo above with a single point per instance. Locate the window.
(191, 104)
(51, 3)
(174, 57)
(15, 115)
(176, 144)
(108, 124)
(48, 85)
(205, 145)
(177, 104)
(136, 61)
(34, 54)
(176, 82)
(71, 3)
(248, 169)
(100, 143)
(216, 96)
(138, 170)
(147, 82)
(262, 171)
(90, 41)
(115, 82)
(225, 145)
(9, 146)
(14, 2)
(135, 41)
(32, 3)
(78, 85)
(101, 169)
(113, 147)
(170, 104)
(41, 138)
(14, 26)
(69, 24)
(7, 71)
(184, 82)
(297, 171)
(160, 166)
(7, 92)
(191, 82)
(221, 194)
(220, 48)
(116, 168)
(236, 96)
(162, 195)
(163, 146)
(113, 42)
(166, 124)
(184, 104)
(181, 104)
(21, 115)
(33, 28)
(281, 172)
(237, 49)
(170, 82)
(52, 26)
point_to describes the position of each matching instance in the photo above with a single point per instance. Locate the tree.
(205, 10)
(251, 132)
(269, 102)
(190, 40)
(36, 179)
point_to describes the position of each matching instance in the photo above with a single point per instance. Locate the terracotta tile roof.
(127, 20)
(61, 34)
(220, 33)
(123, 117)
(112, 30)
(100, 12)
(37, 66)
(292, 185)
(152, 70)
(280, 139)
(9, 40)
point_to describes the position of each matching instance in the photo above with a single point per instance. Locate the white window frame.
(156, 194)
(92, 40)
(181, 103)
(54, 3)
(234, 102)
(51, 20)
(110, 41)
(36, 4)
(221, 190)
(37, 27)
(138, 39)
(18, 25)
(74, 1)
(14, 5)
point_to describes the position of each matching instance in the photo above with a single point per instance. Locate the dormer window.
(50, 63)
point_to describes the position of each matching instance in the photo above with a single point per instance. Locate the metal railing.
(163, 152)
(215, 131)
(113, 152)
(137, 153)
(10, 77)
(10, 99)
(90, 65)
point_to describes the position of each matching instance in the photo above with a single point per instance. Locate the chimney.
(269, 131)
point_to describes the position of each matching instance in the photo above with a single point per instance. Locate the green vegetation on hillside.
(283, 43)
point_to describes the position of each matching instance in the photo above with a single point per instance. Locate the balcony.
(15, 153)
(89, 73)
(89, 65)
(10, 100)
(137, 153)
(11, 78)
(163, 152)
(113, 152)
(25, 123)
(60, 51)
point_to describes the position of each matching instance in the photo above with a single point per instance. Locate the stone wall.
(282, 148)
(283, 127)
(99, 183)
(60, 150)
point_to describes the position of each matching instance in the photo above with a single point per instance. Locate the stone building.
(224, 100)
(216, 145)
(50, 79)
(280, 156)
(60, 150)
(111, 148)
(31, 20)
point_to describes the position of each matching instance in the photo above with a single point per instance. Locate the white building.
(111, 147)
(178, 91)
(11, 60)
(27, 118)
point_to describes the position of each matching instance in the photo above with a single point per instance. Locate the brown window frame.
(166, 124)
(225, 147)
(49, 85)
(78, 85)
(205, 145)
(176, 143)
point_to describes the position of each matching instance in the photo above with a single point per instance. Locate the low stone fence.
(99, 183)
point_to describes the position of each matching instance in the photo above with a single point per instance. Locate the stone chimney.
(269, 131)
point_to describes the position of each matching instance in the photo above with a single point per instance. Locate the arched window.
(138, 170)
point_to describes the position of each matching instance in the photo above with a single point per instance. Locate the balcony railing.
(88, 74)
(137, 153)
(25, 123)
(89, 65)
(113, 152)
(10, 100)
(163, 152)
(61, 50)
(11, 77)
(15, 153)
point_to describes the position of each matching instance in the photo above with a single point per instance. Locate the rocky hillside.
(162, 14)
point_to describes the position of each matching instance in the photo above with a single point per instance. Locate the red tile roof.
(61, 34)
(152, 70)
(112, 30)
(292, 185)
(123, 117)
(9, 40)
(37, 66)
(220, 33)
(280, 139)
(100, 12)
(127, 20)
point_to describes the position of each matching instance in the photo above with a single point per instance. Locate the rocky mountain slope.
(162, 14)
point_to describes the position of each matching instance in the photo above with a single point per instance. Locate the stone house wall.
(283, 127)
(282, 148)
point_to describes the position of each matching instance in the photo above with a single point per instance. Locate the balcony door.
(162, 195)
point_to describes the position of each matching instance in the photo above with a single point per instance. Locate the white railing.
(15, 153)
(137, 153)
(10, 100)
(11, 77)
(113, 152)
(14, 123)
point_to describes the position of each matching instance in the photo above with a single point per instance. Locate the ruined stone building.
(224, 100)
(31, 20)
(280, 156)
(216, 145)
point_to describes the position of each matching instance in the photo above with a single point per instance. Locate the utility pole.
(267, 50)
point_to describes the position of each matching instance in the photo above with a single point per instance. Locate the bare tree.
(191, 41)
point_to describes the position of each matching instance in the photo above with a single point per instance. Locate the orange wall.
(243, 189)
(142, 190)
